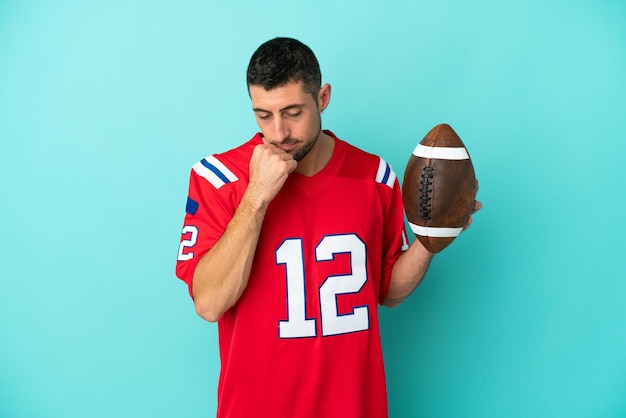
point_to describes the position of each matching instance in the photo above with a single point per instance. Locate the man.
(290, 242)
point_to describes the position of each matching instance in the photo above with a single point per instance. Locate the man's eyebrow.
(291, 106)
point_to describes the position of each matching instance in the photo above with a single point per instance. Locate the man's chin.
(299, 155)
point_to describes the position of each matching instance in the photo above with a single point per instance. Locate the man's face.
(288, 116)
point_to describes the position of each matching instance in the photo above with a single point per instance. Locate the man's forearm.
(222, 274)
(407, 274)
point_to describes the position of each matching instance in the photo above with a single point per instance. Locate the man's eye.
(294, 114)
(263, 117)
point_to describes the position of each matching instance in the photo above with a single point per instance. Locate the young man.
(290, 242)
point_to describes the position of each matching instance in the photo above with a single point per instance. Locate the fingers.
(477, 206)
(468, 223)
(267, 154)
(265, 151)
(269, 168)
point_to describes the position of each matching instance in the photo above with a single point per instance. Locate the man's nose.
(281, 130)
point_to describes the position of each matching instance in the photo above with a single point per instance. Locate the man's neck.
(318, 157)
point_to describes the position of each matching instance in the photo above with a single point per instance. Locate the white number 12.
(297, 325)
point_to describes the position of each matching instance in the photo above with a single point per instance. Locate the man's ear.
(323, 97)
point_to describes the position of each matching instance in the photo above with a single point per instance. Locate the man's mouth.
(287, 147)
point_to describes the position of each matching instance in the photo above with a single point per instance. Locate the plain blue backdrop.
(105, 105)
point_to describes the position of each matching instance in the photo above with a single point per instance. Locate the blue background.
(105, 105)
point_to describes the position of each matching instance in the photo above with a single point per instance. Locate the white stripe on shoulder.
(385, 174)
(214, 171)
(441, 153)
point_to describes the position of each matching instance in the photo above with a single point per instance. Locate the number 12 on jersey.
(290, 253)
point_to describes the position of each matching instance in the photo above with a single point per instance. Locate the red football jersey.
(303, 340)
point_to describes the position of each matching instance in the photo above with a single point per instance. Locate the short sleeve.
(395, 240)
(207, 213)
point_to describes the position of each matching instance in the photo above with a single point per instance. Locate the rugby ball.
(439, 188)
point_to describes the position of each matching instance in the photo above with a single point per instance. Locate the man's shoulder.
(227, 167)
(361, 163)
(349, 148)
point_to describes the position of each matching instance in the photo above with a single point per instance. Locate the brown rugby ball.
(439, 188)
